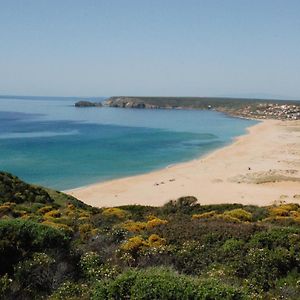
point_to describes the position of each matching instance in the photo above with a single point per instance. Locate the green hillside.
(201, 102)
(53, 246)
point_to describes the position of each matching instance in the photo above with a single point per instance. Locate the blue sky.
(150, 47)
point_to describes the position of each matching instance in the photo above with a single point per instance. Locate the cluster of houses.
(271, 111)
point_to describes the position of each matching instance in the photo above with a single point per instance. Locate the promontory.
(241, 107)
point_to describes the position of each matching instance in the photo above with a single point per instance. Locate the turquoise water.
(50, 142)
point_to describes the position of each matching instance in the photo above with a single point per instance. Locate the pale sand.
(271, 150)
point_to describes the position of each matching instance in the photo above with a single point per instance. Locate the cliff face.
(249, 108)
(128, 102)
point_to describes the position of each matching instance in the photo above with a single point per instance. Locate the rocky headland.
(247, 108)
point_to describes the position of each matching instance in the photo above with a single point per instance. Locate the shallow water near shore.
(50, 142)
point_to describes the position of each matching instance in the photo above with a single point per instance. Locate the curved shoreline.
(241, 172)
(202, 156)
(175, 164)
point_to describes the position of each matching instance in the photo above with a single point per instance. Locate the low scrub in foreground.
(56, 247)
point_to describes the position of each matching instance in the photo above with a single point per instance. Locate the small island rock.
(88, 104)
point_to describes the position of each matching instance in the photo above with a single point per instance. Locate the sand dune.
(260, 168)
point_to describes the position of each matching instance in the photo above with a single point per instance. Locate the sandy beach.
(261, 167)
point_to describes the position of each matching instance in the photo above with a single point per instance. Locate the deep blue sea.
(48, 141)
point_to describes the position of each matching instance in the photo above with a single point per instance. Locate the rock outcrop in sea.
(84, 103)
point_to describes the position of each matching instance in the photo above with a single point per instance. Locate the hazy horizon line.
(22, 96)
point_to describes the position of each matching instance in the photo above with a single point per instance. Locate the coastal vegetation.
(53, 246)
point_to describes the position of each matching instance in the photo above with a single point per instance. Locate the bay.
(50, 142)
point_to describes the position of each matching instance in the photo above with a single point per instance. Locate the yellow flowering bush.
(284, 214)
(290, 206)
(155, 240)
(289, 220)
(20, 213)
(45, 209)
(234, 216)
(205, 215)
(296, 219)
(58, 226)
(83, 219)
(278, 212)
(140, 226)
(134, 226)
(10, 204)
(227, 218)
(52, 214)
(137, 243)
(71, 213)
(239, 214)
(285, 210)
(71, 206)
(115, 212)
(134, 244)
(84, 214)
(85, 230)
(155, 222)
(4, 209)
(25, 217)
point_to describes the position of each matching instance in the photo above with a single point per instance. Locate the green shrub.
(94, 269)
(214, 289)
(287, 287)
(258, 213)
(5, 284)
(232, 245)
(72, 291)
(121, 287)
(12, 189)
(90, 263)
(159, 283)
(192, 257)
(100, 291)
(263, 266)
(274, 237)
(17, 237)
(45, 209)
(139, 212)
(182, 228)
(35, 273)
(184, 205)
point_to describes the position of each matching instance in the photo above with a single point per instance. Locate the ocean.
(48, 141)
